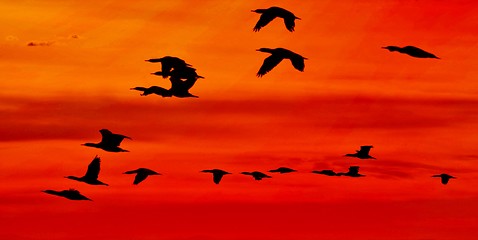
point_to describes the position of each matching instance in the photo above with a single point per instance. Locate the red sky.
(420, 114)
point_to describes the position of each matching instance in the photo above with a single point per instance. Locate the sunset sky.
(421, 116)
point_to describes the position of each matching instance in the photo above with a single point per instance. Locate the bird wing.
(139, 177)
(110, 138)
(289, 23)
(93, 169)
(139, 88)
(189, 83)
(298, 62)
(265, 19)
(268, 64)
(217, 177)
(365, 149)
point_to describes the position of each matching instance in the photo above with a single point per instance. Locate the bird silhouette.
(91, 175)
(326, 172)
(163, 92)
(216, 174)
(71, 194)
(109, 141)
(277, 55)
(141, 174)
(180, 73)
(363, 153)
(256, 175)
(412, 51)
(444, 178)
(282, 170)
(353, 172)
(168, 63)
(269, 14)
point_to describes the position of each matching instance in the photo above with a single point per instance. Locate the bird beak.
(384, 47)
(298, 18)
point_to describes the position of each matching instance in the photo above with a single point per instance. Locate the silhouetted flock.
(183, 77)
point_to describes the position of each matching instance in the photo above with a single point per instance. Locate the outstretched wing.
(298, 62)
(110, 138)
(365, 149)
(139, 178)
(289, 23)
(216, 177)
(139, 88)
(445, 180)
(93, 169)
(268, 64)
(265, 19)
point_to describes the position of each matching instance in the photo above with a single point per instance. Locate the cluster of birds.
(182, 77)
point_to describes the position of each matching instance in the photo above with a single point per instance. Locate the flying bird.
(353, 172)
(141, 174)
(163, 92)
(363, 153)
(109, 141)
(269, 14)
(91, 175)
(444, 177)
(326, 172)
(282, 170)
(256, 175)
(412, 51)
(277, 55)
(216, 174)
(168, 63)
(71, 194)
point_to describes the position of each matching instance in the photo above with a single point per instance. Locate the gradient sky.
(420, 114)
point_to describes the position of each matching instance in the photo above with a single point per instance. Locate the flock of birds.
(183, 77)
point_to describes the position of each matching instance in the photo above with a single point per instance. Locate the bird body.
(168, 63)
(353, 172)
(141, 174)
(71, 194)
(444, 178)
(277, 55)
(326, 172)
(217, 174)
(256, 175)
(109, 141)
(363, 153)
(411, 51)
(91, 175)
(282, 170)
(269, 14)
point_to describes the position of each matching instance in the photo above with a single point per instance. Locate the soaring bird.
(282, 170)
(353, 172)
(216, 174)
(326, 172)
(267, 15)
(363, 153)
(163, 92)
(277, 55)
(444, 177)
(412, 51)
(256, 175)
(141, 174)
(109, 141)
(71, 194)
(168, 63)
(91, 175)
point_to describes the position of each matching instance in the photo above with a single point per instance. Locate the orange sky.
(420, 114)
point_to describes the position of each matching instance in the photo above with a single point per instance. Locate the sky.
(67, 68)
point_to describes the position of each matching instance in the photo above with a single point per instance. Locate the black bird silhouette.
(180, 73)
(168, 63)
(326, 172)
(163, 92)
(267, 15)
(282, 170)
(444, 177)
(109, 141)
(71, 194)
(141, 174)
(256, 175)
(91, 175)
(277, 55)
(353, 172)
(363, 153)
(216, 174)
(412, 51)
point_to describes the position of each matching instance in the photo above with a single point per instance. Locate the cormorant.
(326, 172)
(277, 55)
(141, 174)
(168, 63)
(180, 73)
(109, 141)
(363, 153)
(353, 172)
(282, 170)
(91, 175)
(267, 15)
(216, 174)
(444, 177)
(412, 51)
(256, 175)
(71, 194)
